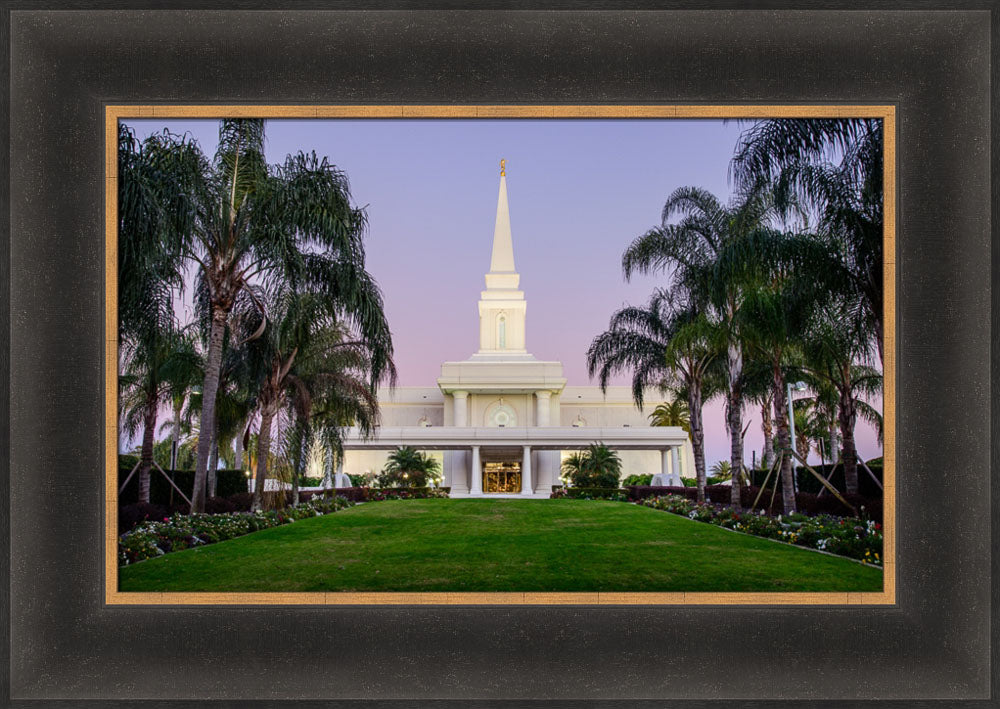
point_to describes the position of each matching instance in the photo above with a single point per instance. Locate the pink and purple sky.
(579, 190)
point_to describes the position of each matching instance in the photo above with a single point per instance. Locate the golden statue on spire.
(503, 171)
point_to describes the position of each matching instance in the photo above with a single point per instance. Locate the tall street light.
(797, 386)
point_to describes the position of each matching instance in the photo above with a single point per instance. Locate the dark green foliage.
(643, 479)
(597, 466)
(228, 482)
(591, 493)
(408, 467)
(807, 482)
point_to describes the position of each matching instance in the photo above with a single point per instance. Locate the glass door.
(502, 477)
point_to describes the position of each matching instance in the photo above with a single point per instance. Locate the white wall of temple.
(584, 406)
(483, 406)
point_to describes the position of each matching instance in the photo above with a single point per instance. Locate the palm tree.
(298, 355)
(596, 466)
(151, 369)
(822, 407)
(673, 413)
(333, 393)
(796, 156)
(256, 223)
(835, 353)
(154, 178)
(722, 470)
(758, 389)
(670, 342)
(573, 467)
(790, 274)
(702, 251)
(805, 431)
(408, 467)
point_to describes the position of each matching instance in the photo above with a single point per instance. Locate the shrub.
(591, 493)
(638, 479)
(597, 466)
(409, 467)
(370, 494)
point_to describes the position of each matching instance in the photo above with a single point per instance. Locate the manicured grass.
(498, 545)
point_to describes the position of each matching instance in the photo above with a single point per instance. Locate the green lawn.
(499, 545)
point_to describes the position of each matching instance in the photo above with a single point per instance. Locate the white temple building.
(502, 420)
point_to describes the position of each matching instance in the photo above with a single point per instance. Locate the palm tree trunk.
(767, 455)
(263, 450)
(147, 448)
(735, 420)
(834, 442)
(847, 417)
(803, 445)
(697, 436)
(297, 467)
(213, 464)
(784, 442)
(208, 391)
(176, 435)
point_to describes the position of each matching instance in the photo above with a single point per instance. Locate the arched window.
(502, 332)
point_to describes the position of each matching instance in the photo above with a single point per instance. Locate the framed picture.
(914, 632)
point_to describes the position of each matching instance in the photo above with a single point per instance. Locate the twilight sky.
(579, 190)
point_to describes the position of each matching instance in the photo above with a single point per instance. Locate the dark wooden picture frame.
(66, 643)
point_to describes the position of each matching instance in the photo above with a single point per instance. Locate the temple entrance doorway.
(502, 476)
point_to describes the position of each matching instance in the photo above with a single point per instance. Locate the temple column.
(675, 465)
(461, 408)
(526, 488)
(665, 467)
(542, 409)
(476, 474)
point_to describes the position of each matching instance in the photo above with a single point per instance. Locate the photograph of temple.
(502, 420)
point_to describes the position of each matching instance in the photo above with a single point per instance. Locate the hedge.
(374, 494)
(807, 482)
(590, 493)
(227, 482)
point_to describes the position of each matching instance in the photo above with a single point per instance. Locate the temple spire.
(502, 260)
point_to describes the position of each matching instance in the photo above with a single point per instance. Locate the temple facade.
(501, 421)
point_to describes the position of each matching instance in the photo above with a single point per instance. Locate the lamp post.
(797, 386)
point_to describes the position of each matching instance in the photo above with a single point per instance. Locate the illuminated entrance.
(502, 477)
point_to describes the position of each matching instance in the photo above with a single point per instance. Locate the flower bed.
(854, 538)
(179, 531)
(868, 507)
